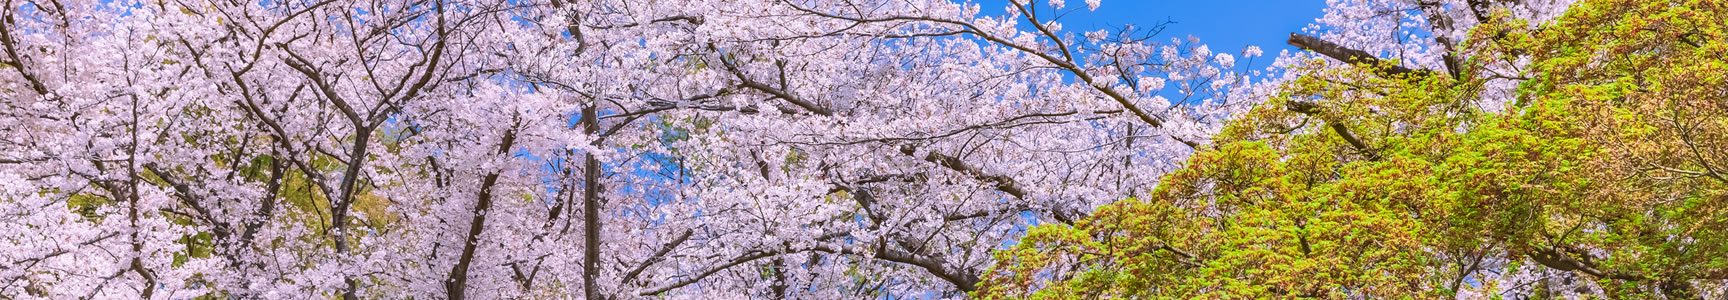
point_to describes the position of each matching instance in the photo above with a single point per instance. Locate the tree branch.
(1353, 56)
(745, 81)
(658, 256)
(1002, 183)
(1311, 109)
(456, 284)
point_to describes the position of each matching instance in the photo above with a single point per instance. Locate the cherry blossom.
(512, 149)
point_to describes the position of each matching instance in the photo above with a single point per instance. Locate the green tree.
(1606, 175)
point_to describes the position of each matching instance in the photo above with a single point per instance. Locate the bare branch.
(1353, 56)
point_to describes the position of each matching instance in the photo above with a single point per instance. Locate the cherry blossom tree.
(601, 149)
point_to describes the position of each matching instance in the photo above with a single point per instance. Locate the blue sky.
(1224, 25)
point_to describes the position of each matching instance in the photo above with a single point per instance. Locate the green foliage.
(86, 205)
(1608, 165)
